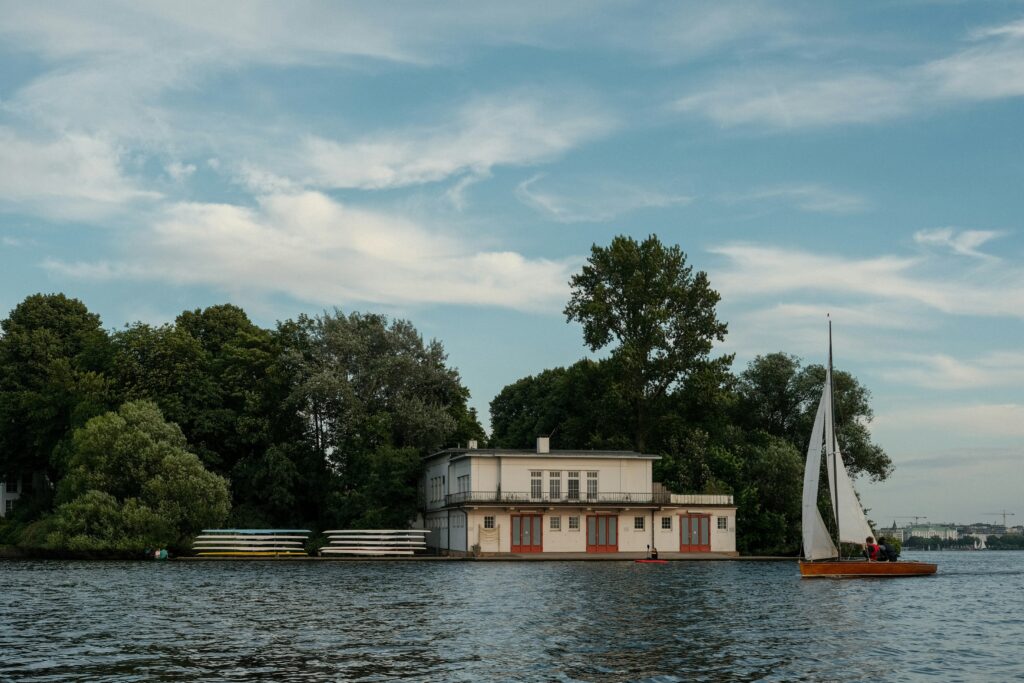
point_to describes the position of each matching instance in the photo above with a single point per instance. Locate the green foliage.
(131, 483)
(53, 353)
(1006, 542)
(660, 314)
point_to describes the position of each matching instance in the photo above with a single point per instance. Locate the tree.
(660, 313)
(778, 397)
(53, 353)
(132, 483)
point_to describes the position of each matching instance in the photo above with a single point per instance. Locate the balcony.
(526, 498)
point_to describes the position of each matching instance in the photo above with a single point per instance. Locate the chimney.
(543, 444)
(472, 445)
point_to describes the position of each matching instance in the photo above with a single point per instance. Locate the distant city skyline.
(452, 164)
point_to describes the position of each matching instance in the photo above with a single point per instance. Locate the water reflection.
(506, 621)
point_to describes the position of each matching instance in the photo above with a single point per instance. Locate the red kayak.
(651, 561)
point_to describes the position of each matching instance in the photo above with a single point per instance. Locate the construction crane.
(913, 517)
(1004, 514)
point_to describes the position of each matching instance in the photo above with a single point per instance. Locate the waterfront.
(465, 621)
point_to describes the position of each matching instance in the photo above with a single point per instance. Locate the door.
(527, 536)
(602, 534)
(694, 533)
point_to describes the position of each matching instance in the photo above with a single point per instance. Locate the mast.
(832, 419)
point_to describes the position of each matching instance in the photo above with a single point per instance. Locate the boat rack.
(251, 542)
(376, 542)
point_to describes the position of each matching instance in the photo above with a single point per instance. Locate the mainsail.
(853, 525)
(817, 542)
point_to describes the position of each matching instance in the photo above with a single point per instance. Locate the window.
(574, 485)
(10, 506)
(556, 524)
(489, 521)
(555, 485)
(12, 487)
(666, 523)
(535, 484)
(574, 524)
(638, 523)
(591, 485)
(723, 522)
(464, 483)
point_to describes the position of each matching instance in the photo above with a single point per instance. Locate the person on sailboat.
(871, 550)
(886, 551)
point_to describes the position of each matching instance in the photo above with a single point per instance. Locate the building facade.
(10, 492)
(505, 501)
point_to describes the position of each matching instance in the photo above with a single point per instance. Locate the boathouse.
(508, 501)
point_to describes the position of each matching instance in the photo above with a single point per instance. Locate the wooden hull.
(842, 569)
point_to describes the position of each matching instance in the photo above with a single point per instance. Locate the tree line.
(145, 435)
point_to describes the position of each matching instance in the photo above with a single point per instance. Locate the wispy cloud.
(512, 129)
(69, 176)
(311, 247)
(984, 421)
(588, 200)
(783, 96)
(810, 197)
(754, 271)
(941, 371)
(964, 242)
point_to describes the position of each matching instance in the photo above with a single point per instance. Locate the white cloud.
(70, 176)
(806, 197)
(787, 97)
(513, 129)
(941, 371)
(592, 201)
(758, 271)
(180, 171)
(978, 421)
(965, 243)
(311, 247)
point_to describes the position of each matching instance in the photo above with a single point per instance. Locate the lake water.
(501, 621)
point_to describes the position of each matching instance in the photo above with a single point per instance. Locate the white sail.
(818, 544)
(853, 525)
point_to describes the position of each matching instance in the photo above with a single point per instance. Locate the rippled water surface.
(498, 621)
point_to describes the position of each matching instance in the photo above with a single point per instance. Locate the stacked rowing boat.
(375, 542)
(251, 542)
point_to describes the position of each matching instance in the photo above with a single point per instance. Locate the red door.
(602, 534)
(527, 536)
(694, 533)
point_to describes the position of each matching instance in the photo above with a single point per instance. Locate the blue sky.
(453, 164)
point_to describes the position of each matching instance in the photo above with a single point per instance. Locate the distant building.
(893, 532)
(498, 501)
(945, 532)
(10, 492)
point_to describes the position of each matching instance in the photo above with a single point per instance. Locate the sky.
(453, 164)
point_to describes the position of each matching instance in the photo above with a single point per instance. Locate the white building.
(10, 492)
(945, 532)
(495, 501)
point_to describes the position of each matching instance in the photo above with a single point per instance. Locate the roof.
(460, 453)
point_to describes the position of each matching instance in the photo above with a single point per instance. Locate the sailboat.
(821, 554)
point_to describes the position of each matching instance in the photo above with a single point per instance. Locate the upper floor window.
(592, 485)
(12, 487)
(536, 484)
(638, 523)
(463, 482)
(555, 485)
(574, 485)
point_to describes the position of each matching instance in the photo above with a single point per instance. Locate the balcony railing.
(525, 497)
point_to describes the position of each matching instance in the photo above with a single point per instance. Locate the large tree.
(779, 397)
(659, 313)
(132, 483)
(53, 352)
